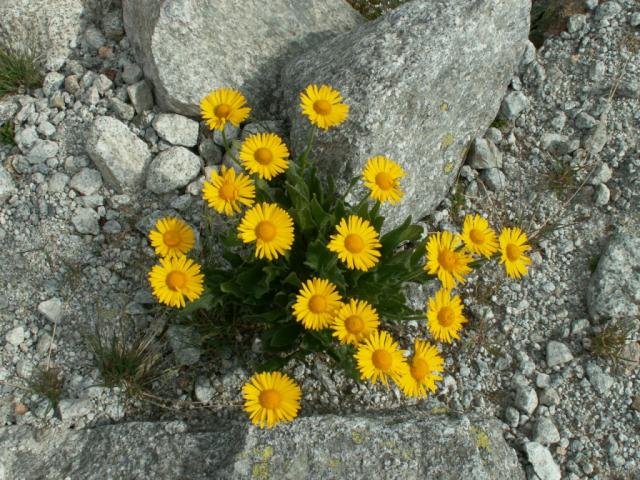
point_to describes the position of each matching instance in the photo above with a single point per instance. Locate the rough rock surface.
(614, 289)
(171, 169)
(188, 48)
(360, 447)
(43, 27)
(392, 74)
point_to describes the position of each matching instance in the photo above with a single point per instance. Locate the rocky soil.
(96, 161)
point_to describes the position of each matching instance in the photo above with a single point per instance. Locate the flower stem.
(227, 148)
(307, 150)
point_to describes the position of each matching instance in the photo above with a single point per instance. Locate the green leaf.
(285, 336)
(272, 365)
(205, 301)
(403, 233)
(292, 279)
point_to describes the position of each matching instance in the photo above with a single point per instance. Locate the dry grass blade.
(48, 383)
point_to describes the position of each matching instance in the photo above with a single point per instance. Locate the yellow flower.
(478, 236)
(316, 303)
(356, 243)
(513, 244)
(379, 358)
(323, 106)
(424, 370)
(270, 227)
(355, 322)
(172, 237)
(222, 106)
(174, 279)
(227, 190)
(264, 154)
(444, 315)
(381, 176)
(445, 260)
(271, 398)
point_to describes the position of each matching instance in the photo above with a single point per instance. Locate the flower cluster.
(320, 275)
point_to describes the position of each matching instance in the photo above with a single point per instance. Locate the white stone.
(557, 354)
(86, 221)
(7, 187)
(87, 181)
(15, 336)
(542, 461)
(174, 168)
(51, 309)
(176, 129)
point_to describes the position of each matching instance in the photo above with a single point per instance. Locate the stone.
(526, 399)
(42, 150)
(484, 154)
(120, 155)
(86, 221)
(423, 123)
(71, 84)
(607, 10)
(185, 344)
(51, 309)
(576, 23)
(600, 381)
(103, 84)
(52, 82)
(614, 287)
(602, 195)
(8, 108)
(513, 105)
(176, 129)
(49, 29)
(57, 182)
(556, 144)
(46, 129)
(87, 181)
(629, 88)
(131, 74)
(174, 168)
(584, 121)
(186, 50)
(203, 390)
(408, 446)
(25, 138)
(557, 354)
(549, 397)
(112, 25)
(141, 96)
(15, 336)
(545, 432)
(94, 37)
(494, 179)
(597, 71)
(542, 461)
(210, 152)
(7, 186)
(73, 409)
(602, 174)
(123, 111)
(634, 20)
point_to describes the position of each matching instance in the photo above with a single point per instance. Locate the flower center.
(228, 191)
(382, 360)
(447, 259)
(263, 156)
(477, 236)
(222, 111)
(317, 304)
(266, 231)
(176, 280)
(446, 316)
(322, 107)
(513, 252)
(171, 238)
(354, 324)
(270, 399)
(354, 243)
(419, 368)
(384, 181)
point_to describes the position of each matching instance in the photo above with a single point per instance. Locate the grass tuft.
(609, 342)
(563, 177)
(7, 133)
(132, 362)
(48, 382)
(372, 9)
(18, 69)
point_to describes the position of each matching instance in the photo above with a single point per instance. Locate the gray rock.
(557, 354)
(73, 409)
(164, 33)
(57, 182)
(597, 71)
(123, 111)
(494, 135)
(542, 461)
(210, 152)
(25, 138)
(264, 126)
(120, 156)
(87, 181)
(49, 29)
(52, 82)
(86, 221)
(634, 20)
(176, 129)
(8, 108)
(51, 309)
(131, 74)
(549, 397)
(584, 121)
(112, 227)
(629, 88)
(171, 169)
(7, 187)
(203, 390)
(423, 123)
(407, 446)
(526, 399)
(607, 10)
(141, 96)
(600, 381)
(494, 179)
(602, 174)
(185, 344)
(46, 129)
(42, 150)
(112, 25)
(484, 154)
(614, 287)
(576, 23)
(602, 195)
(94, 37)
(71, 84)
(556, 144)
(15, 336)
(545, 432)
(513, 105)
(103, 84)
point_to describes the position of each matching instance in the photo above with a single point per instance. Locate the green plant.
(500, 123)
(562, 177)
(127, 359)
(48, 382)
(7, 133)
(18, 69)
(611, 339)
(372, 9)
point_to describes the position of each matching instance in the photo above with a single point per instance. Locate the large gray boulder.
(421, 83)
(614, 288)
(189, 47)
(409, 446)
(46, 28)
